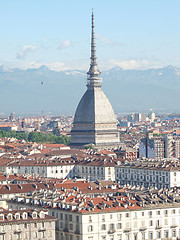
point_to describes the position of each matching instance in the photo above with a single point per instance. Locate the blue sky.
(132, 34)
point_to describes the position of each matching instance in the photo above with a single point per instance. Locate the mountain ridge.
(43, 89)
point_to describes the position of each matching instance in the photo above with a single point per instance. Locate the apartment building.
(26, 224)
(151, 147)
(160, 174)
(148, 215)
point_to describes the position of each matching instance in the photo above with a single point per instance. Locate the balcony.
(127, 230)
(2, 232)
(142, 229)
(111, 231)
(17, 231)
(158, 226)
(66, 229)
(173, 225)
(77, 231)
(42, 229)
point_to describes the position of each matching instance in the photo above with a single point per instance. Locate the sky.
(131, 34)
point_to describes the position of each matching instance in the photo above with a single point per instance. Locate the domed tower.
(95, 121)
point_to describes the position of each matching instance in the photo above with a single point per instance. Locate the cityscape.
(80, 161)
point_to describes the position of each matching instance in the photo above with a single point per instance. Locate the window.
(143, 214)
(34, 215)
(77, 218)
(135, 236)
(174, 233)
(61, 224)
(158, 212)
(166, 221)
(61, 216)
(103, 227)
(166, 234)
(119, 237)
(158, 234)
(150, 235)
(119, 226)
(90, 228)
(111, 216)
(158, 223)
(143, 236)
(112, 226)
(119, 216)
(90, 219)
(127, 214)
(71, 226)
(103, 218)
(173, 211)
(70, 218)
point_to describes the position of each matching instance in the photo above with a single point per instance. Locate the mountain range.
(44, 90)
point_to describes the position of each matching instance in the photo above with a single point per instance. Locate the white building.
(160, 174)
(154, 215)
(63, 168)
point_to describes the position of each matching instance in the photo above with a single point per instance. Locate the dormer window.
(34, 215)
(2, 217)
(17, 216)
(9, 217)
(42, 215)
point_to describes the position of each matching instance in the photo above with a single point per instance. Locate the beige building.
(26, 225)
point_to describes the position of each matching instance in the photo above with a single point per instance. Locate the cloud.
(25, 50)
(108, 41)
(133, 64)
(64, 44)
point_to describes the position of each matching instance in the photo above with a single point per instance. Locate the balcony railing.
(111, 231)
(41, 229)
(158, 226)
(77, 231)
(17, 231)
(66, 229)
(143, 229)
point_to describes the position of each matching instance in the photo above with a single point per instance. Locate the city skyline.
(131, 35)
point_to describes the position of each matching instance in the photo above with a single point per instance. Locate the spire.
(93, 72)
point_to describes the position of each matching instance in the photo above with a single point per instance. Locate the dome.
(94, 107)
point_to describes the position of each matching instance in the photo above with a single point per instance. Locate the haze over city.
(132, 35)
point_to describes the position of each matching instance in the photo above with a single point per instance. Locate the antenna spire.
(93, 70)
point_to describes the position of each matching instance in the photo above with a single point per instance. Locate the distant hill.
(34, 90)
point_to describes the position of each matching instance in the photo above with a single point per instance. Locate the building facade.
(144, 216)
(26, 225)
